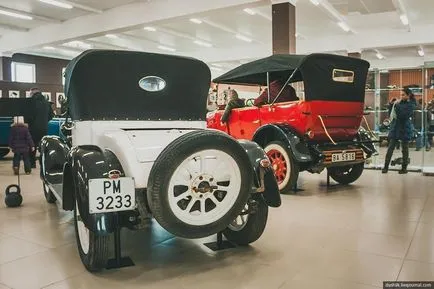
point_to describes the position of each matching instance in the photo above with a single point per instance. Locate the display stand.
(295, 189)
(118, 261)
(220, 244)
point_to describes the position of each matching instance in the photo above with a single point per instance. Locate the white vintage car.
(137, 147)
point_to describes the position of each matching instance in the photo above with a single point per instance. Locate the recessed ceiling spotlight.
(195, 20)
(112, 36)
(404, 19)
(78, 44)
(344, 26)
(250, 11)
(202, 43)
(315, 2)
(166, 48)
(57, 4)
(15, 15)
(49, 48)
(244, 38)
(148, 28)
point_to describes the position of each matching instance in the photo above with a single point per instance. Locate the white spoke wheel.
(199, 184)
(247, 228)
(284, 165)
(92, 248)
(49, 196)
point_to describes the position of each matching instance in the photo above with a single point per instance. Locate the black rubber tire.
(169, 160)
(254, 227)
(3, 153)
(347, 174)
(96, 259)
(49, 196)
(294, 166)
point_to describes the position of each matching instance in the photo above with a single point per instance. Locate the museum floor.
(381, 228)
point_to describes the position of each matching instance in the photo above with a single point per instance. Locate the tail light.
(265, 163)
(310, 134)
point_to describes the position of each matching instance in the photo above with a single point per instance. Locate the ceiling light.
(315, 2)
(404, 19)
(217, 65)
(112, 36)
(57, 4)
(195, 20)
(78, 44)
(148, 28)
(379, 55)
(216, 68)
(16, 15)
(49, 48)
(249, 11)
(203, 43)
(166, 48)
(244, 38)
(421, 52)
(344, 26)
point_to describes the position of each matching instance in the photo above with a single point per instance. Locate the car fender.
(271, 193)
(54, 152)
(85, 163)
(274, 132)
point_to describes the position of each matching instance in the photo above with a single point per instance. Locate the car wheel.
(49, 196)
(3, 153)
(285, 167)
(247, 228)
(346, 174)
(92, 248)
(199, 184)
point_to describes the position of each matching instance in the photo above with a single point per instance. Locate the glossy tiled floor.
(381, 228)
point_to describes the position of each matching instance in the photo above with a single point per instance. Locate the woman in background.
(401, 128)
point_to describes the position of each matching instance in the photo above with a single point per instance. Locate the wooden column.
(283, 28)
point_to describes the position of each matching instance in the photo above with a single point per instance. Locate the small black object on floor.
(118, 261)
(220, 244)
(13, 197)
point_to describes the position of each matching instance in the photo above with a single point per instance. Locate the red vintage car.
(322, 130)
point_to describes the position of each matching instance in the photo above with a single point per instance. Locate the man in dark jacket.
(401, 129)
(21, 143)
(38, 123)
(288, 93)
(234, 102)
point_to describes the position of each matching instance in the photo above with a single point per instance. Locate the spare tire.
(199, 184)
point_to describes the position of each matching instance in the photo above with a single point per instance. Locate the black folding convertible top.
(104, 84)
(315, 70)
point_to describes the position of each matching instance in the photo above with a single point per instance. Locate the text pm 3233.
(111, 195)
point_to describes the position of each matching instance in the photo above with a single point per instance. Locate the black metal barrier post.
(220, 244)
(118, 261)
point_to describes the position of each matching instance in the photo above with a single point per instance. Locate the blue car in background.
(5, 125)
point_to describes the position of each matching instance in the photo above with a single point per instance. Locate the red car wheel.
(285, 168)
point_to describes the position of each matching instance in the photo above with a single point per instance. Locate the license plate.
(111, 195)
(343, 157)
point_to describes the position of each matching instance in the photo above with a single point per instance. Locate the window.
(23, 72)
(340, 75)
(63, 75)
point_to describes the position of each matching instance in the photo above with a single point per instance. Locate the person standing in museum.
(20, 141)
(234, 102)
(38, 123)
(401, 128)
